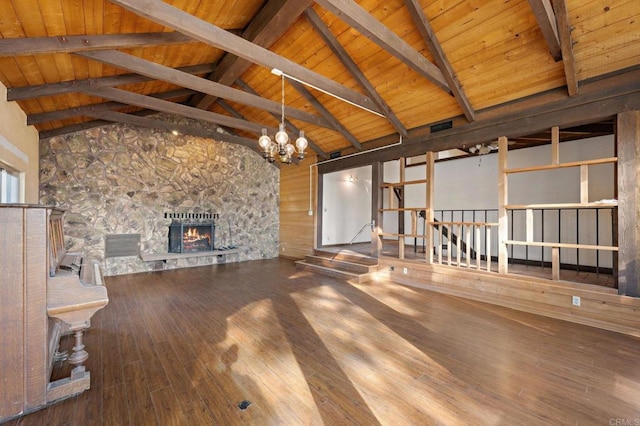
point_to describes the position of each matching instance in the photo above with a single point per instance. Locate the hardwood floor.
(187, 346)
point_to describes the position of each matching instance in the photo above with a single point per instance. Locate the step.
(336, 273)
(352, 257)
(343, 265)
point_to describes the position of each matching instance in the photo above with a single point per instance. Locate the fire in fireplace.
(191, 237)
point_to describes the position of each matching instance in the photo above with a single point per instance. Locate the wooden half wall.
(599, 306)
(297, 227)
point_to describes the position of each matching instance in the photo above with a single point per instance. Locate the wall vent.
(441, 126)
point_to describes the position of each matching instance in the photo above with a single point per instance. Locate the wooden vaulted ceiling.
(77, 64)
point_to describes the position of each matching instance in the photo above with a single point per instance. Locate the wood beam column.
(377, 178)
(320, 207)
(628, 147)
(400, 193)
(503, 198)
(430, 187)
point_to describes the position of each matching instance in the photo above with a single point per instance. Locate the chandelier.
(282, 149)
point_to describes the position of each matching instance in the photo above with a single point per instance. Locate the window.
(9, 186)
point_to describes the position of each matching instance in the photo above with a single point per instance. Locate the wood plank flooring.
(185, 347)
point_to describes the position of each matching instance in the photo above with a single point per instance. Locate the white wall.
(346, 206)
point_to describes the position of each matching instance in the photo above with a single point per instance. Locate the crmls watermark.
(624, 422)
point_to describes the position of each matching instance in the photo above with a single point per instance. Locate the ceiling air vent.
(441, 126)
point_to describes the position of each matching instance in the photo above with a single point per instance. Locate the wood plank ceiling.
(76, 64)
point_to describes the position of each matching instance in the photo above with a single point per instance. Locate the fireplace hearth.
(189, 237)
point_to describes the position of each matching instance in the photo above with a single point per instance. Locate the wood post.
(503, 197)
(320, 208)
(401, 193)
(584, 184)
(430, 173)
(555, 263)
(628, 146)
(377, 197)
(555, 145)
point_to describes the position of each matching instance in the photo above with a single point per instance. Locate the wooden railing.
(468, 238)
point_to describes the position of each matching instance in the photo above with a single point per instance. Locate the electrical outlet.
(405, 271)
(575, 300)
(310, 213)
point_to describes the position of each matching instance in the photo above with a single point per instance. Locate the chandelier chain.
(282, 93)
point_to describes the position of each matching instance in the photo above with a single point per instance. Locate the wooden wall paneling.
(628, 147)
(599, 308)
(36, 368)
(12, 312)
(296, 226)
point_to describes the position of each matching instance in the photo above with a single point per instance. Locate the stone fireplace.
(121, 179)
(192, 233)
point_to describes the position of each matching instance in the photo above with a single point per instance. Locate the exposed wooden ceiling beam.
(288, 123)
(350, 64)
(546, 18)
(273, 20)
(148, 102)
(118, 117)
(63, 114)
(429, 36)
(566, 45)
(69, 44)
(61, 131)
(51, 89)
(351, 13)
(599, 100)
(161, 72)
(337, 126)
(170, 16)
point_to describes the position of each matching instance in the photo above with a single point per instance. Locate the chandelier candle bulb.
(281, 137)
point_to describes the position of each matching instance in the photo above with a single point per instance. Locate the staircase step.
(347, 256)
(336, 273)
(343, 265)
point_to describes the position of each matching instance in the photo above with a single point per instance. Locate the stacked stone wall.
(121, 179)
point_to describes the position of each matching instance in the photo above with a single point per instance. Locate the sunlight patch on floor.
(380, 362)
(265, 356)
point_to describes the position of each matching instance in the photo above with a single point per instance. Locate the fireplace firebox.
(188, 237)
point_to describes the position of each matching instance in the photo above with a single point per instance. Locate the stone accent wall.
(121, 179)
